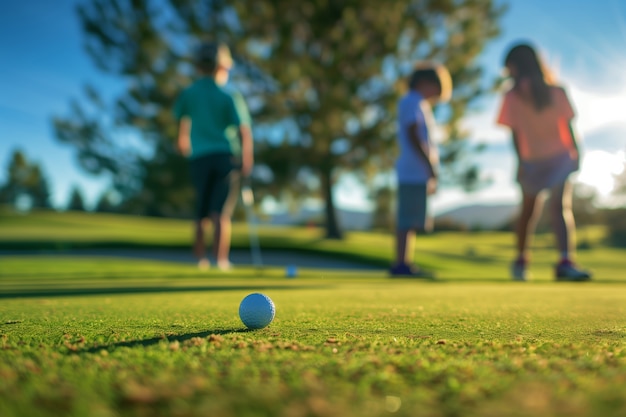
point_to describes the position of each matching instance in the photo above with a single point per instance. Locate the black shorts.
(215, 178)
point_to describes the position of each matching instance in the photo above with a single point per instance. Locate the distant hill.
(348, 219)
(475, 216)
(483, 216)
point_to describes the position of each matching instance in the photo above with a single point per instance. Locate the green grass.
(101, 336)
(457, 256)
(150, 338)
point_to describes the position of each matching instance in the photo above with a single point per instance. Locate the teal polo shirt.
(215, 117)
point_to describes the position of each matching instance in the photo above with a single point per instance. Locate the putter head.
(246, 192)
(247, 196)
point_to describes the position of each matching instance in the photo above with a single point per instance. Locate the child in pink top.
(539, 115)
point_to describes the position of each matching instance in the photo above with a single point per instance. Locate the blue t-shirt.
(411, 168)
(214, 115)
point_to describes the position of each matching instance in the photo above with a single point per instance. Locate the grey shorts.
(535, 176)
(412, 208)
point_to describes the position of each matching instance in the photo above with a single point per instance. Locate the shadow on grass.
(68, 292)
(158, 339)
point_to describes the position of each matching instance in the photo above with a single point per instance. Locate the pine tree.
(25, 180)
(76, 201)
(106, 204)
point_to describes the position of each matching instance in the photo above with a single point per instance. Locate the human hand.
(431, 186)
(576, 158)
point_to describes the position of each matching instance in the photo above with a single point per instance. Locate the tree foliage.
(321, 77)
(340, 68)
(76, 201)
(25, 184)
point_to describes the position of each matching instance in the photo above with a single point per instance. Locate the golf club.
(247, 197)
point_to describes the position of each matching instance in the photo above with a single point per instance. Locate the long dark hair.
(527, 65)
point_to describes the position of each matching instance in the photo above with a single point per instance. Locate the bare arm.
(247, 150)
(518, 153)
(575, 143)
(184, 141)
(418, 146)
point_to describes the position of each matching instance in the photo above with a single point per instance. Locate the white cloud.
(482, 125)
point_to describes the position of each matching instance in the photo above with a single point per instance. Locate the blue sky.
(44, 66)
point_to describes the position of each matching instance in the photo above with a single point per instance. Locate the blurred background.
(86, 89)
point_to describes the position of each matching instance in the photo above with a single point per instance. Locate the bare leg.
(221, 239)
(562, 218)
(405, 243)
(531, 207)
(199, 249)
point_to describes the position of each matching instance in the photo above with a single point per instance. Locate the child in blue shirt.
(417, 163)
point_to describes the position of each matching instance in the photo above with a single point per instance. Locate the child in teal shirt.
(214, 133)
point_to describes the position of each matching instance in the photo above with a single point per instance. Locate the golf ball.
(291, 271)
(256, 311)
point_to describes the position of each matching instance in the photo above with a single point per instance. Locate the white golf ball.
(256, 311)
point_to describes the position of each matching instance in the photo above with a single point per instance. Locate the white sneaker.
(224, 266)
(204, 264)
(519, 270)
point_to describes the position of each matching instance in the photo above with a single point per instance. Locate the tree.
(322, 79)
(382, 216)
(25, 181)
(76, 201)
(107, 203)
(615, 218)
(339, 66)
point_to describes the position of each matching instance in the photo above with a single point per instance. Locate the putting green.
(106, 336)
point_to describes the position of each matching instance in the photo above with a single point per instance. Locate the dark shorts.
(412, 208)
(215, 178)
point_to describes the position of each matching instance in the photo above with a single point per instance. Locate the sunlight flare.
(599, 168)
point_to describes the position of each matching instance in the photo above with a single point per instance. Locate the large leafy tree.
(321, 77)
(339, 66)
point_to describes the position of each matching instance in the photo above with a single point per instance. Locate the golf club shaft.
(247, 197)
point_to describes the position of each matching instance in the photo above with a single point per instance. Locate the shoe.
(566, 270)
(224, 266)
(519, 270)
(409, 271)
(204, 264)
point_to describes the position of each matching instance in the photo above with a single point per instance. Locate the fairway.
(118, 337)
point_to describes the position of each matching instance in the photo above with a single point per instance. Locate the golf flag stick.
(247, 196)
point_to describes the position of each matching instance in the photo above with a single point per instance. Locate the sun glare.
(596, 110)
(599, 168)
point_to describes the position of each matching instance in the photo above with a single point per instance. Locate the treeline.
(26, 187)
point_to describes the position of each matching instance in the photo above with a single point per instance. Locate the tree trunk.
(333, 231)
